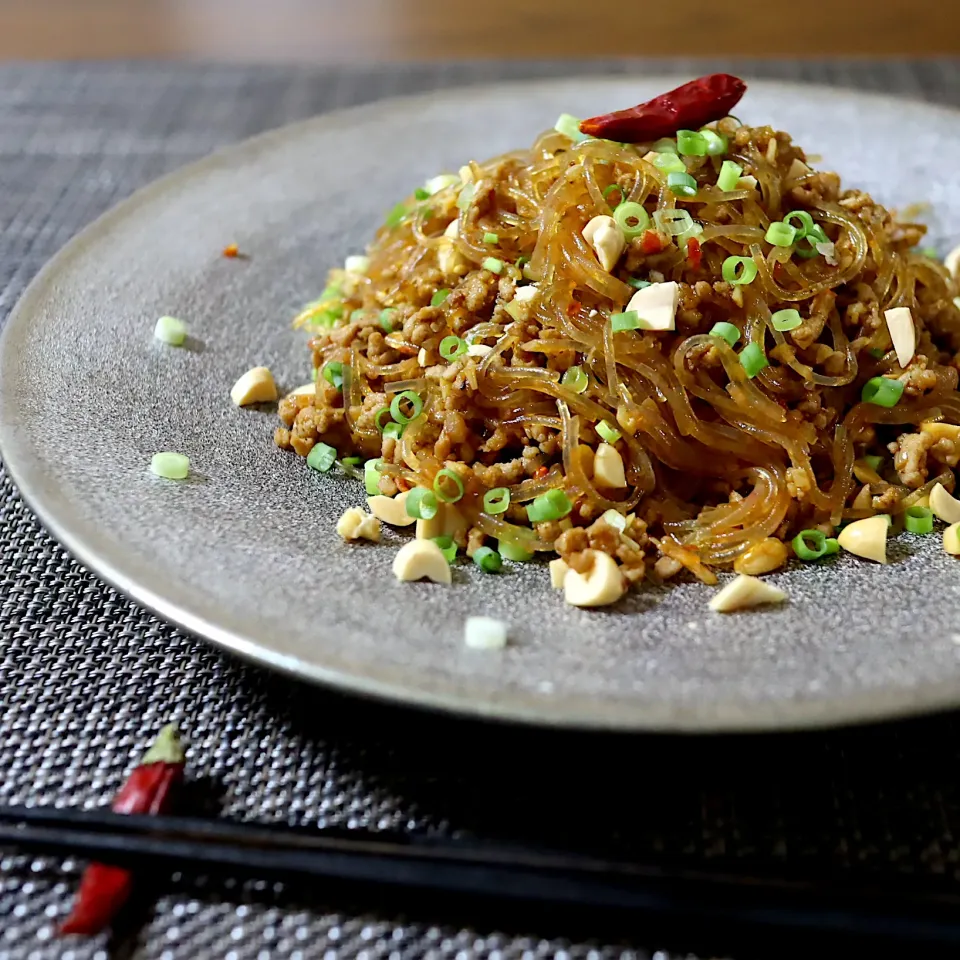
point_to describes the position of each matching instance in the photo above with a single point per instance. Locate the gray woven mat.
(86, 677)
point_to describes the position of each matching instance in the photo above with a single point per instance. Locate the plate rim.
(885, 703)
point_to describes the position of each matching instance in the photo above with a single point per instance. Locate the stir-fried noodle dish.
(660, 335)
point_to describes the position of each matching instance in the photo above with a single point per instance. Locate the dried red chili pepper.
(687, 108)
(651, 242)
(104, 889)
(694, 253)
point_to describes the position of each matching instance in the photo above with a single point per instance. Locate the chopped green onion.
(489, 561)
(440, 296)
(451, 477)
(396, 406)
(918, 519)
(806, 227)
(492, 264)
(170, 330)
(673, 222)
(803, 549)
(170, 465)
(873, 461)
(496, 501)
(371, 477)
(452, 347)
(569, 126)
(333, 374)
(321, 457)
(876, 352)
(393, 430)
(552, 505)
(575, 379)
(386, 319)
(466, 196)
(421, 504)
(624, 321)
(786, 320)
(817, 235)
(351, 461)
(882, 391)
(780, 234)
(607, 432)
(631, 218)
(669, 163)
(614, 188)
(753, 359)
(522, 262)
(832, 545)
(615, 519)
(930, 252)
(730, 174)
(666, 145)
(682, 184)
(717, 144)
(490, 237)
(421, 194)
(510, 551)
(447, 547)
(726, 331)
(739, 270)
(638, 283)
(378, 418)
(396, 215)
(691, 144)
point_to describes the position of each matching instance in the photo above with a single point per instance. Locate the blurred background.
(362, 30)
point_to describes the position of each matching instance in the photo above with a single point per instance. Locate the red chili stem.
(104, 888)
(690, 106)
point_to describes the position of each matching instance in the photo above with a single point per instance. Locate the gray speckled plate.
(244, 553)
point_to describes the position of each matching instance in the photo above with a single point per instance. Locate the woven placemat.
(86, 677)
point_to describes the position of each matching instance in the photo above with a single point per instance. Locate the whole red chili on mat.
(687, 108)
(104, 889)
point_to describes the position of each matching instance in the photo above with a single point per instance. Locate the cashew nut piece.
(600, 585)
(603, 233)
(304, 390)
(421, 559)
(743, 592)
(485, 633)
(558, 572)
(947, 508)
(447, 522)
(951, 539)
(392, 510)
(608, 467)
(867, 538)
(903, 333)
(255, 386)
(357, 524)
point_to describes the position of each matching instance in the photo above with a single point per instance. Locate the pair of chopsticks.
(637, 898)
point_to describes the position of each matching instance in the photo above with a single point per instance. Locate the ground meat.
(917, 379)
(571, 542)
(798, 483)
(886, 502)
(946, 451)
(910, 458)
(500, 474)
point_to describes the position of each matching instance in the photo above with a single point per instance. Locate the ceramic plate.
(244, 553)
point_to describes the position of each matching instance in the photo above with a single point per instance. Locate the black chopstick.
(491, 873)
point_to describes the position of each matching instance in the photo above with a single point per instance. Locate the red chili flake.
(232, 251)
(694, 253)
(690, 106)
(104, 889)
(651, 242)
(540, 473)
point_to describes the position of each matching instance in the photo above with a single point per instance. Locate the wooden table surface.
(357, 30)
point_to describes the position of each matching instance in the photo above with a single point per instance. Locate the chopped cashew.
(392, 510)
(765, 555)
(448, 522)
(558, 571)
(951, 539)
(747, 183)
(743, 592)
(255, 386)
(797, 169)
(656, 306)
(600, 585)
(608, 467)
(304, 390)
(864, 499)
(523, 294)
(357, 264)
(485, 633)
(449, 258)
(941, 431)
(421, 558)
(422, 357)
(478, 350)
(453, 229)
(867, 538)
(903, 333)
(357, 524)
(947, 508)
(952, 261)
(603, 233)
